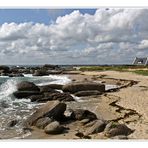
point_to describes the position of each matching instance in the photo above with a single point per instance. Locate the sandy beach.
(127, 105)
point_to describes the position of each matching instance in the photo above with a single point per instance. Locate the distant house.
(140, 61)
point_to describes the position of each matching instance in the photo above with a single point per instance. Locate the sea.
(12, 109)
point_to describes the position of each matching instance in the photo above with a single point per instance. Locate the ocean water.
(19, 109)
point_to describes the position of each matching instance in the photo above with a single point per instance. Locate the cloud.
(108, 36)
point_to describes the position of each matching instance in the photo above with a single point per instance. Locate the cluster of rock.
(51, 118)
(16, 71)
(50, 92)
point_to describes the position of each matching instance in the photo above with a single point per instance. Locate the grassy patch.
(141, 72)
(104, 68)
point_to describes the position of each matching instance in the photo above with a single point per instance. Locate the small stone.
(43, 122)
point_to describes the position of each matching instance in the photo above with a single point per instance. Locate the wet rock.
(16, 75)
(54, 128)
(40, 72)
(43, 122)
(36, 97)
(115, 129)
(51, 67)
(12, 123)
(56, 96)
(46, 88)
(27, 86)
(87, 93)
(80, 114)
(5, 69)
(25, 94)
(53, 86)
(75, 87)
(52, 109)
(97, 127)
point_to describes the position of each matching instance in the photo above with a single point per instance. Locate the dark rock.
(27, 86)
(54, 128)
(80, 114)
(40, 72)
(53, 86)
(48, 66)
(115, 129)
(43, 122)
(16, 75)
(52, 109)
(25, 94)
(75, 87)
(97, 127)
(87, 93)
(5, 69)
(12, 123)
(36, 97)
(54, 72)
(46, 88)
(56, 96)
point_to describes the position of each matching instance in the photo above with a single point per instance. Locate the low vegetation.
(121, 68)
(141, 72)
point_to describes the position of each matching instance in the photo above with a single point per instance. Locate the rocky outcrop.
(76, 87)
(4, 69)
(114, 129)
(52, 109)
(80, 114)
(27, 86)
(26, 94)
(56, 96)
(43, 122)
(97, 127)
(87, 93)
(54, 128)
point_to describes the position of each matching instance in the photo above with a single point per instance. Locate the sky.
(73, 36)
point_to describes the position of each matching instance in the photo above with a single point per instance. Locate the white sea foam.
(54, 79)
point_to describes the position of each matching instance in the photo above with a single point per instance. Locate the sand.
(128, 105)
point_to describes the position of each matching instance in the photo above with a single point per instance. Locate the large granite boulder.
(87, 93)
(40, 72)
(4, 69)
(48, 96)
(27, 86)
(54, 128)
(80, 114)
(97, 127)
(52, 86)
(26, 94)
(114, 129)
(43, 122)
(75, 87)
(52, 109)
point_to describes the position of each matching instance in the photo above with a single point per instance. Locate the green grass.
(141, 72)
(104, 68)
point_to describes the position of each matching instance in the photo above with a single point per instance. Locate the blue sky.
(36, 15)
(73, 36)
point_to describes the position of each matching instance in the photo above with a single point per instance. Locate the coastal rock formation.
(80, 114)
(114, 129)
(54, 128)
(4, 69)
(87, 93)
(27, 86)
(97, 127)
(56, 96)
(52, 109)
(26, 94)
(50, 87)
(43, 122)
(75, 87)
